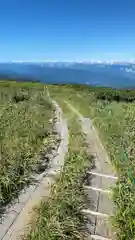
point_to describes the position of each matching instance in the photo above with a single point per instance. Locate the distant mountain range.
(119, 75)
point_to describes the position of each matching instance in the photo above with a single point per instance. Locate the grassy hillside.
(115, 123)
(24, 116)
(24, 124)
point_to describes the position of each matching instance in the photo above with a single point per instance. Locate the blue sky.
(67, 30)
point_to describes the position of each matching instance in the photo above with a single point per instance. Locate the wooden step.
(98, 237)
(98, 224)
(100, 180)
(99, 199)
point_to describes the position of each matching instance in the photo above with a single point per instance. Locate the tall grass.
(24, 124)
(115, 124)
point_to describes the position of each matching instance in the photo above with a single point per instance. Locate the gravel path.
(100, 179)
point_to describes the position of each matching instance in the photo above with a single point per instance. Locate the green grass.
(22, 125)
(115, 124)
(24, 133)
(60, 216)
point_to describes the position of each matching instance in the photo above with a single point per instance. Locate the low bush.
(116, 95)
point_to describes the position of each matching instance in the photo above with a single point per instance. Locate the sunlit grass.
(115, 124)
(24, 123)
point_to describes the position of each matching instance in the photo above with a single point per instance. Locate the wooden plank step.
(98, 237)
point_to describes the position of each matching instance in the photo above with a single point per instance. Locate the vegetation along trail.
(47, 145)
(92, 196)
(112, 112)
(60, 217)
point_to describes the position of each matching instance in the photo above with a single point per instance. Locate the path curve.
(18, 216)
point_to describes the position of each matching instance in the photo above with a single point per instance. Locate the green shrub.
(116, 95)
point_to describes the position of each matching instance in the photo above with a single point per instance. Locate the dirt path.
(98, 185)
(16, 221)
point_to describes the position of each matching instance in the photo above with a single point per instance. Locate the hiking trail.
(100, 179)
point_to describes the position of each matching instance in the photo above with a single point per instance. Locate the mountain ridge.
(98, 74)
